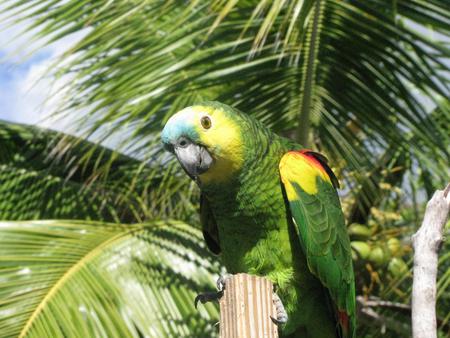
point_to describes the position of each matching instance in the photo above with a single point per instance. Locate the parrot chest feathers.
(252, 225)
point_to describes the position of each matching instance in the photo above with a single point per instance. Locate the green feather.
(326, 244)
(249, 221)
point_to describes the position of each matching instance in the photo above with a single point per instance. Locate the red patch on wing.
(343, 321)
(320, 162)
(308, 155)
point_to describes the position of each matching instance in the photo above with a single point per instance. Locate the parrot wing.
(309, 185)
(209, 226)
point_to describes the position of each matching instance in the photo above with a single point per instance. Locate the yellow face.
(212, 128)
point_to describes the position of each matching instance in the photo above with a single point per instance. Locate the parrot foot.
(282, 316)
(207, 297)
(213, 296)
(222, 281)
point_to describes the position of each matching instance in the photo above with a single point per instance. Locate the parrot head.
(207, 141)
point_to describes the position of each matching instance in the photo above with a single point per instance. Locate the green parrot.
(270, 209)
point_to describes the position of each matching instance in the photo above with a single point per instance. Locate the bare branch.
(426, 242)
(377, 302)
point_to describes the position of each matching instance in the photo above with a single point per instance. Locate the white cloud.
(36, 95)
(15, 41)
(27, 94)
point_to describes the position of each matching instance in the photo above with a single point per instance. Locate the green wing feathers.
(209, 226)
(316, 210)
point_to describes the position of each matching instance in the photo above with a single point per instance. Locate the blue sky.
(24, 90)
(19, 101)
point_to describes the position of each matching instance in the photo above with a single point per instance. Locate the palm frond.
(309, 73)
(87, 279)
(136, 67)
(47, 175)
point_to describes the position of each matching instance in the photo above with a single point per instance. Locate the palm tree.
(363, 82)
(118, 275)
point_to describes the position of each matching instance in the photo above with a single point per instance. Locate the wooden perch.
(246, 307)
(426, 243)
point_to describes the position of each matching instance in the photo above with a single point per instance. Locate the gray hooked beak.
(194, 158)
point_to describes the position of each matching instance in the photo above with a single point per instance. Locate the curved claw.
(213, 296)
(279, 322)
(207, 297)
(282, 316)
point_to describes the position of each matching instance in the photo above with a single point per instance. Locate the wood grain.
(246, 308)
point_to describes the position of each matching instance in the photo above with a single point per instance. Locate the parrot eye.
(206, 122)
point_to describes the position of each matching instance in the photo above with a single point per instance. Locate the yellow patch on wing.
(224, 141)
(299, 168)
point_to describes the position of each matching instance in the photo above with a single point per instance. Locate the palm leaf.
(87, 279)
(44, 175)
(309, 73)
(136, 67)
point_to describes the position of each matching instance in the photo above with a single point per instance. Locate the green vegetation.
(101, 242)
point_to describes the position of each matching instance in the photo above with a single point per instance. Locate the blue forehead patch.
(177, 127)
